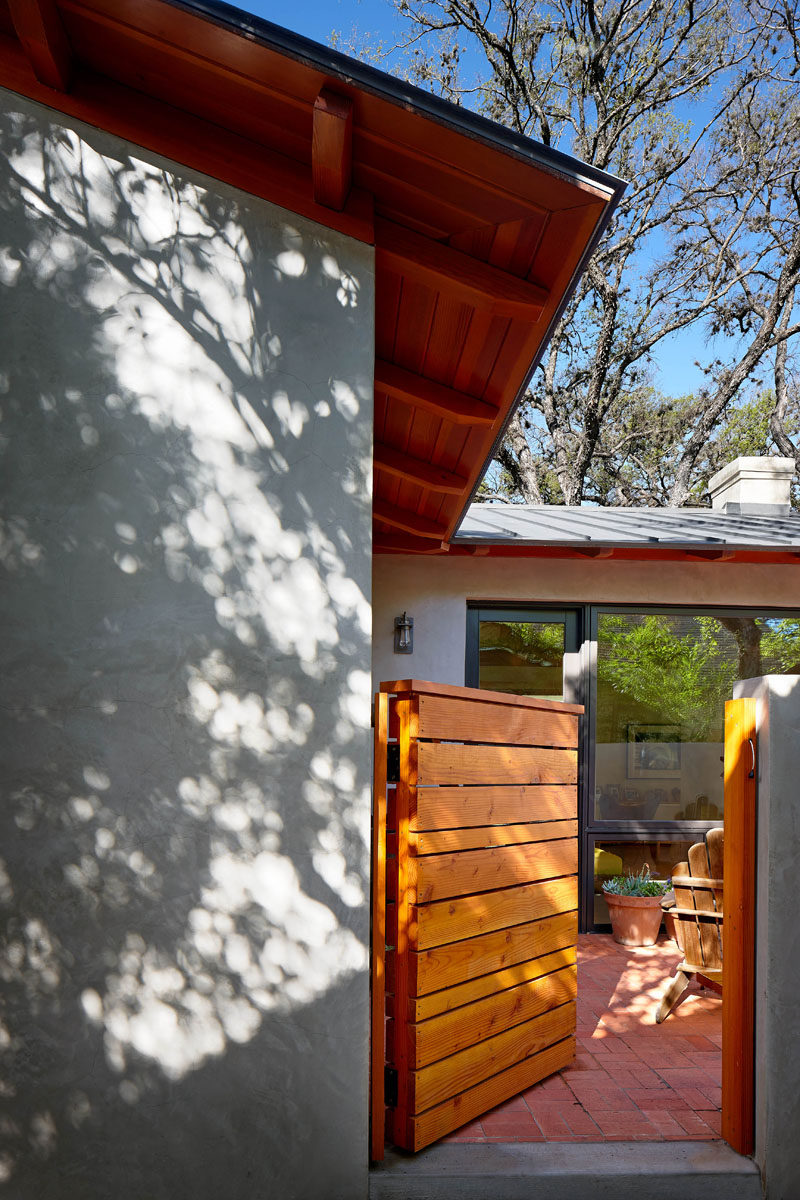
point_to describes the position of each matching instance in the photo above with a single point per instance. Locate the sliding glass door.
(654, 683)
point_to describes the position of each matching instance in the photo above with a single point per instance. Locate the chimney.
(759, 486)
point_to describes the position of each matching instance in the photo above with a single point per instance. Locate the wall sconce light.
(404, 634)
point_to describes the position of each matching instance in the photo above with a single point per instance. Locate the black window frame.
(584, 691)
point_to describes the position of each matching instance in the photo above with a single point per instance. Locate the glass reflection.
(525, 658)
(662, 683)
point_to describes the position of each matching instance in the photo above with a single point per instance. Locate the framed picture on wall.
(654, 751)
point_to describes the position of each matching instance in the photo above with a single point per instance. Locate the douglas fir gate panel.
(475, 903)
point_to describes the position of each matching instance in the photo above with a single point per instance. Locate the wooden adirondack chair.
(697, 910)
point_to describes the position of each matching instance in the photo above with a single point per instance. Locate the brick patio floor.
(632, 1080)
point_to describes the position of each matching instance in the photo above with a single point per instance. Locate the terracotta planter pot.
(635, 920)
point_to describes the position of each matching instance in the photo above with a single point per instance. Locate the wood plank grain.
(710, 945)
(332, 148)
(378, 971)
(446, 763)
(715, 841)
(451, 1032)
(465, 872)
(467, 960)
(415, 470)
(468, 1105)
(738, 964)
(407, 718)
(450, 920)
(473, 721)
(430, 396)
(444, 841)
(423, 687)
(39, 28)
(446, 1078)
(459, 807)
(421, 1008)
(684, 901)
(444, 269)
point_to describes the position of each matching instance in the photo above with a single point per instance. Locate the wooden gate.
(475, 897)
(738, 928)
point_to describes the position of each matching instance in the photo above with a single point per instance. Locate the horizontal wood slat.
(466, 871)
(484, 922)
(473, 721)
(423, 687)
(698, 913)
(457, 807)
(473, 957)
(420, 1008)
(450, 920)
(443, 841)
(451, 1032)
(445, 763)
(468, 1105)
(430, 1085)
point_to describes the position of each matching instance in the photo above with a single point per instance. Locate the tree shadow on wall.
(185, 685)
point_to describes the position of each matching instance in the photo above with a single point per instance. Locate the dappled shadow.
(186, 423)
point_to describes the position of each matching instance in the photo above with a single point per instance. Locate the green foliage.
(683, 676)
(636, 884)
(540, 642)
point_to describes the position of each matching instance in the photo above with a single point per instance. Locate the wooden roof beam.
(332, 149)
(403, 543)
(38, 26)
(712, 554)
(593, 551)
(448, 270)
(458, 407)
(416, 470)
(409, 522)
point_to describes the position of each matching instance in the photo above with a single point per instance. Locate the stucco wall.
(435, 590)
(185, 378)
(777, 1020)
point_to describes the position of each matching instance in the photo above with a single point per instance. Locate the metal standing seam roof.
(556, 525)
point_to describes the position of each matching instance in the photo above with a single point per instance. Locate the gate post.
(777, 933)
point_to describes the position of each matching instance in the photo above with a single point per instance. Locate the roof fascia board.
(370, 79)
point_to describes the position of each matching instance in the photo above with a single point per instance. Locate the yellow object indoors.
(606, 863)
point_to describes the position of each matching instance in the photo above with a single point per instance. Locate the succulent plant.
(639, 883)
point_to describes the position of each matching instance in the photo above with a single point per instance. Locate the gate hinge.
(393, 762)
(390, 1087)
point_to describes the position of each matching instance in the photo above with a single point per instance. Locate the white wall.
(435, 590)
(185, 453)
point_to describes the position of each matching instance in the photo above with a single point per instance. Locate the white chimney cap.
(753, 485)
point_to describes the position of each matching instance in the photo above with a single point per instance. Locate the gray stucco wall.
(777, 933)
(185, 448)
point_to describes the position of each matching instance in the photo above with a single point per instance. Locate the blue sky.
(319, 19)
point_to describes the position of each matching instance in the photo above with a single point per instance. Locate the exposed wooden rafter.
(712, 554)
(38, 26)
(416, 470)
(411, 522)
(595, 551)
(405, 543)
(448, 270)
(332, 149)
(458, 407)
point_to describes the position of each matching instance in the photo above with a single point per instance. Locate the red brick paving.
(632, 1080)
